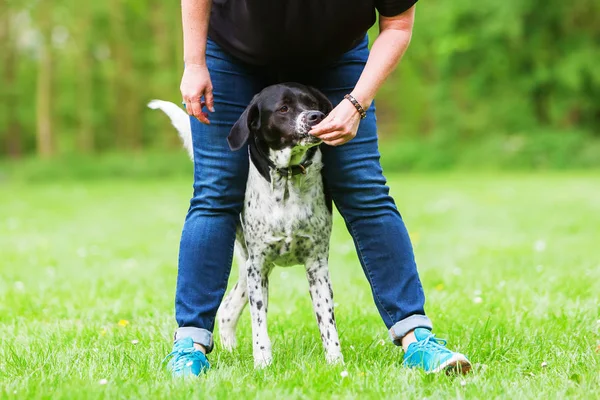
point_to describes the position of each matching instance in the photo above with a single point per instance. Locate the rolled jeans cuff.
(198, 335)
(401, 328)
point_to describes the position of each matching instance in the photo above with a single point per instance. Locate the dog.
(286, 218)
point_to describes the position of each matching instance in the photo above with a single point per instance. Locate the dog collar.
(259, 157)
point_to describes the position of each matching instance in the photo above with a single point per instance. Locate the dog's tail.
(180, 120)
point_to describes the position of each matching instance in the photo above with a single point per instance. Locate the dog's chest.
(286, 222)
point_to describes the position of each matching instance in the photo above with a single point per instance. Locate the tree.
(12, 132)
(83, 29)
(126, 112)
(45, 140)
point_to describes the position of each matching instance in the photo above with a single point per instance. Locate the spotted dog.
(286, 218)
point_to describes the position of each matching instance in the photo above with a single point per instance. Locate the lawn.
(510, 265)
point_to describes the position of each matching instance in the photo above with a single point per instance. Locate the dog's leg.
(258, 281)
(231, 308)
(322, 299)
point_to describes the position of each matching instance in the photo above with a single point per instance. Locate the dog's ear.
(325, 105)
(248, 121)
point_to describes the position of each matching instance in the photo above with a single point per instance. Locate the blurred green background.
(512, 84)
(94, 188)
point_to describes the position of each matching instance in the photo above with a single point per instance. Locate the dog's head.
(281, 116)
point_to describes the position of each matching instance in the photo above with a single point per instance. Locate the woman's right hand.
(196, 84)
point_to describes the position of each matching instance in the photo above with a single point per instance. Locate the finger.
(203, 117)
(188, 107)
(332, 136)
(202, 104)
(210, 101)
(196, 108)
(322, 129)
(197, 111)
(328, 119)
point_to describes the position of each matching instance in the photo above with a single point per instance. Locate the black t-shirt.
(295, 32)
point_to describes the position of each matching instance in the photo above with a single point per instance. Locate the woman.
(232, 50)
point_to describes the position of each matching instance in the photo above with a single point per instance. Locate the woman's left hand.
(339, 126)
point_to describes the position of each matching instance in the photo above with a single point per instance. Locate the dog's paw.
(262, 359)
(228, 340)
(334, 358)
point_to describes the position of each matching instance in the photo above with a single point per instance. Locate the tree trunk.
(13, 139)
(165, 84)
(85, 136)
(162, 45)
(45, 145)
(127, 111)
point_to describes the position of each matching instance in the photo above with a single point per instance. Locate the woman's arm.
(195, 82)
(387, 50)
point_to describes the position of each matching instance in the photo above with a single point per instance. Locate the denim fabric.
(352, 173)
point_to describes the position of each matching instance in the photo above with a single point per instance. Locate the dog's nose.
(314, 117)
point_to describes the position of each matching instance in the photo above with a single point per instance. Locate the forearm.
(386, 52)
(195, 15)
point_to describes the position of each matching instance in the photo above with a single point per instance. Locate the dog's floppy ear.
(248, 121)
(325, 105)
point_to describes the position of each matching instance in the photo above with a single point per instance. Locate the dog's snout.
(314, 117)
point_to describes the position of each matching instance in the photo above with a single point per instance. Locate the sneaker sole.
(457, 364)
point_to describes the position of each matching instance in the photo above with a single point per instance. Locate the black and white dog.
(286, 219)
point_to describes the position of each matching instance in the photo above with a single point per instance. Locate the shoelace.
(429, 343)
(185, 357)
(431, 338)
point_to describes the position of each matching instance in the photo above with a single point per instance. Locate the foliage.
(506, 67)
(540, 151)
(509, 264)
(75, 77)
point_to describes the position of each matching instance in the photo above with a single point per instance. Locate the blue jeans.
(352, 173)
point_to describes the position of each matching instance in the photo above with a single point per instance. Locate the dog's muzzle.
(314, 117)
(304, 123)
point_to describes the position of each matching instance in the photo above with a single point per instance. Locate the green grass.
(510, 265)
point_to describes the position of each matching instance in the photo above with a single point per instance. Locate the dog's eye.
(283, 109)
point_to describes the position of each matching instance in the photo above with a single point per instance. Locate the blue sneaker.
(186, 360)
(432, 355)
